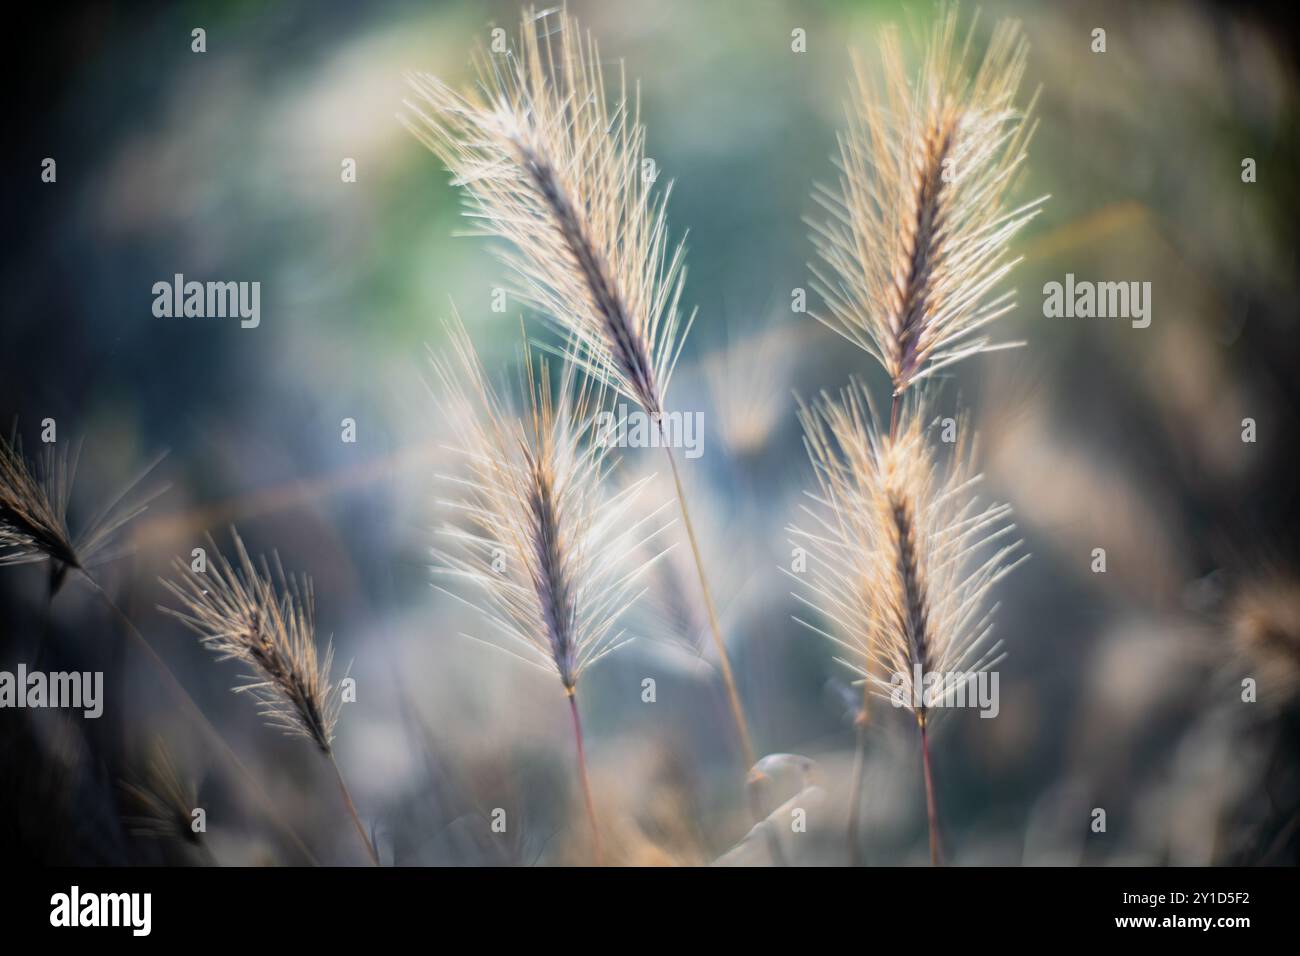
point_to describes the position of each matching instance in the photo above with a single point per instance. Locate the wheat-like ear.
(34, 509)
(242, 612)
(267, 620)
(555, 167)
(916, 243)
(901, 555)
(536, 545)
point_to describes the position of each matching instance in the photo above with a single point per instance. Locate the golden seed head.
(535, 543)
(915, 245)
(267, 621)
(555, 166)
(34, 509)
(902, 557)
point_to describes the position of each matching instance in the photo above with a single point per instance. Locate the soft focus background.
(1122, 690)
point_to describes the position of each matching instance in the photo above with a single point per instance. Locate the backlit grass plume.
(901, 558)
(536, 545)
(556, 167)
(554, 164)
(916, 243)
(244, 612)
(34, 510)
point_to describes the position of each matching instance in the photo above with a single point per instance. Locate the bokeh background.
(1122, 690)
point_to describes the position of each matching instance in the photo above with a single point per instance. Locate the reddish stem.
(582, 775)
(931, 804)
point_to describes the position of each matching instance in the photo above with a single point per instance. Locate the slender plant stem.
(724, 662)
(931, 804)
(582, 776)
(859, 754)
(188, 703)
(758, 784)
(352, 809)
(855, 808)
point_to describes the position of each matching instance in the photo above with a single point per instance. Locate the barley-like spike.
(34, 509)
(33, 512)
(241, 612)
(538, 548)
(916, 241)
(553, 167)
(902, 556)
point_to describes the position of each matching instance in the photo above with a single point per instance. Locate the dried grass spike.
(554, 166)
(536, 545)
(542, 552)
(33, 512)
(241, 612)
(902, 556)
(34, 509)
(916, 241)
